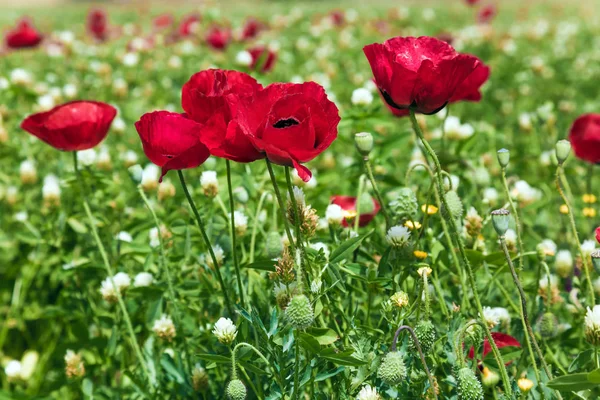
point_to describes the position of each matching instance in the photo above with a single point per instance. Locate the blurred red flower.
(348, 203)
(171, 140)
(189, 25)
(263, 59)
(290, 123)
(77, 125)
(23, 35)
(486, 14)
(585, 137)
(97, 24)
(423, 74)
(218, 38)
(163, 21)
(471, 2)
(251, 29)
(501, 340)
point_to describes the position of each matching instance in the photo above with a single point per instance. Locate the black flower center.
(285, 123)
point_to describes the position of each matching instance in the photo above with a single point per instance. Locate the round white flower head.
(209, 183)
(490, 195)
(21, 216)
(143, 279)
(13, 370)
(20, 77)
(524, 193)
(130, 158)
(543, 283)
(51, 188)
(109, 292)
(130, 59)
(368, 393)
(490, 317)
(86, 157)
(588, 247)
(225, 330)
(362, 96)
(563, 262)
(316, 285)
(164, 328)
(219, 255)
(547, 247)
(28, 172)
(150, 175)
(241, 222)
(592, 325)
(299, 196)
(334, 214)
(510, 237)
(398, 236)
(124, 237)
(243, 58)
(424, 271)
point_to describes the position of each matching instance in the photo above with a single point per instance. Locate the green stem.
(281, 204)
(584, 258)
(296, 393)
(211, 252)
(273, 369)
(461, 248)
(236, 262)
(369, 169)
(263, 196)
(361, 187)
(295, 210)
(109, 271)
(515, 213)
(166, 269)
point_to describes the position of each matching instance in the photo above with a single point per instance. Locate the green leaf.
(167, 364)
(77, 226)
(326, 375)
(341, 357)
(309, 343)
(572, 383)
(262, 265)
(582, 359)
(87, 387)
(214, 357)
(347, 247)
(324, 336)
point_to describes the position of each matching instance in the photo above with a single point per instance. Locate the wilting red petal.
(585, 137)
(73, 126)
(501, 340)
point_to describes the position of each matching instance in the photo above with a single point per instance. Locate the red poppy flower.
(585, 137)
(251, 29)
(598, 234)
(171, 140)
(422, 73)
(163, 21)
(468, 90)
(263, 59)
(97, 24)
(77, 125)
(218, 38)
(501, 340)
(24, 35)
(337, 17)
(290, 123)
(471, 2)
(486, 14)
(189, 25)
(348, 203)
(205, 99)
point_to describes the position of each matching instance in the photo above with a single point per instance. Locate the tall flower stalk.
(461, 248)
(234, 254)
(211, 252)
(110, 273)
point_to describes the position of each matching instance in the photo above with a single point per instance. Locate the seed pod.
(236, 390)
(425, 333)
(548, 325)
(405, 204)
(300, 312)
(455, 207)
(274, 245)
(469, 387)
(392, 369)
(500, 220)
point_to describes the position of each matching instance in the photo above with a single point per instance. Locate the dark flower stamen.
(285, 123)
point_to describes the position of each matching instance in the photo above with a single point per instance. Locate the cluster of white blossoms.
(334, 214)
(496, 315)
(121, 280)
(28, 172)
(164, 328)
(454, 129)
(368, 393)
(149, 178)
(592, 325)
(225, 331)
(219, 256)
(51, 190)
(563, 263)
(398, 236)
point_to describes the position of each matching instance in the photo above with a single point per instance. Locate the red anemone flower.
(171, 140)
(585, 137)
(23, 35)
(97, 24)
(73, 126)
(422, 74)
(251, 29)
(348, 204)
(218, 38)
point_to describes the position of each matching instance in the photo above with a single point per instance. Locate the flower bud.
(489, 378)
(300, 312)
(405, 204)
(365, 203)
(503, 157)
(425, 333)
(548, 325)
(274, 245)
(364, 143)
(455, 207)
(500, 220)
(392, 369)
(199, 378)
(236, 390)
(563, 148)
(525, 385)
(469, 387)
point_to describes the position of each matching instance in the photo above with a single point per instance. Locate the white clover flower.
(219, 255)
(368, 393)
(209, 183)
(362, 97)
(28, 172)
(109, 291)
(321, 246)
(490, 317)
(563, 263)
(13, 370)
(119, 126)
(124, 237)
(225, 330)
(51, 189)
(510, 237)
(241, 222)
(525, 193)
(130, 158)
(543, 283)
(316, 285)
(592, 325)
(143, 279)
(4, 83)
(150, 175)
(525, 122)
(174, 62)
(21, 216)
(490, 196)
(299, 196)
(70, 91)
(243, 58)
(455, 130)
(164, 328)
(45, 102)
(131, 59)
(86, 157)
(547, 247)
(334, 214)
(588, 247)
(20, 77)
(398, 236)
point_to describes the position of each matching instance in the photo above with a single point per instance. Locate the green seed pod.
(300, 312)
(563, 148)
(500, 220)
(455, 207)
(425, 333)
(548, 325)
(365, 202)
(503, 157)
(364, 143)
(392, 369)
(469, 387)
(405, 204)
(274, 246)
(236, 390)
